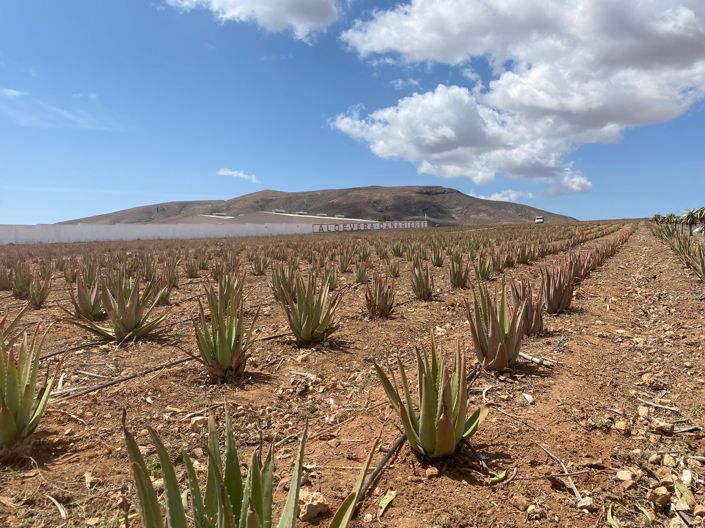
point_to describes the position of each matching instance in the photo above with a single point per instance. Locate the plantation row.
(115, 296)
(692, 253)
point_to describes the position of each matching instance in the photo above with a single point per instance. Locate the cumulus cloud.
(563, 74)
(507, 195)
(303, 17)
(230, 173)
(570, 182)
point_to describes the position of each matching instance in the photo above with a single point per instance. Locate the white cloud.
(9, 92)
(25, 110)
(303, 17)
(507, 195)
(237, 174)
(565, 73)
(570, 182)
(401, 84)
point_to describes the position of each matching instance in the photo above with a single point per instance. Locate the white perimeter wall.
(65, 233)
(48, 233)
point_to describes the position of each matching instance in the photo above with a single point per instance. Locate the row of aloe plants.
(691, 252)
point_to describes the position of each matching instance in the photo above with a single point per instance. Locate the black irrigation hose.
(125, 378)
(373, 476)
(70, 349)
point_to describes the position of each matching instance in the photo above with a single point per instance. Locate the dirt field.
(628, 363)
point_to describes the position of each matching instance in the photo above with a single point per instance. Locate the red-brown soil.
(636, 332)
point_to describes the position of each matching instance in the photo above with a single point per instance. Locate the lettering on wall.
(368, 226)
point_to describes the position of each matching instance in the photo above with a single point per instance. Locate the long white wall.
(49, 233)
(66, 233)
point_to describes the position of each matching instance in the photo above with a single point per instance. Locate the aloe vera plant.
(330, 274)
(557, 285)
(437, 256)
(361, 272)
(128, 310)
(484, 266)
(459, 271)
(21, 280)
(379, 297)
(311, 310)
(7, 329)
(283, 279)
(345, 259)
(23, 397)
(421, 281)
(442, 422)
(393, 269)
(496, 331)
(229, 500)
(87, 301)
(5, 278)
(260, 263)
(522, 295)
(223, 343)
(39, 290)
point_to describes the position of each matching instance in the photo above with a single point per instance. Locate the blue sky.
(113, 104)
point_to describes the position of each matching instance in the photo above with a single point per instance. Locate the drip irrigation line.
(537, 360)
(70, 349)
(373, 476)
(124, 378)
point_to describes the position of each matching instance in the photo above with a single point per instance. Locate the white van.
(538, 220)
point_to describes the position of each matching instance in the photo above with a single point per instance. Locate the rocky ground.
(620, 411)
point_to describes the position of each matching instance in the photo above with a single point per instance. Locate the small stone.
(655, 459)
(519, 502)
(586, 503)
(643, 411)
(198, 453)
(198, 423)
(368, 518)
(432, 472)
(660, 496)
(687, 477)
(528, 397)
(334, 442)
(624, 475)
(627, 485)
(662, 427)
(669, 461)
(622, 426)
(312, 504)
(665, 476)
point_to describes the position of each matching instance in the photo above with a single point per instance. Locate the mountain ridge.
(440, 205)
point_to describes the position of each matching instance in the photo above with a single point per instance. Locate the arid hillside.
(441, 205)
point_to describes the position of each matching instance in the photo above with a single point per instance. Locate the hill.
(441, 205)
